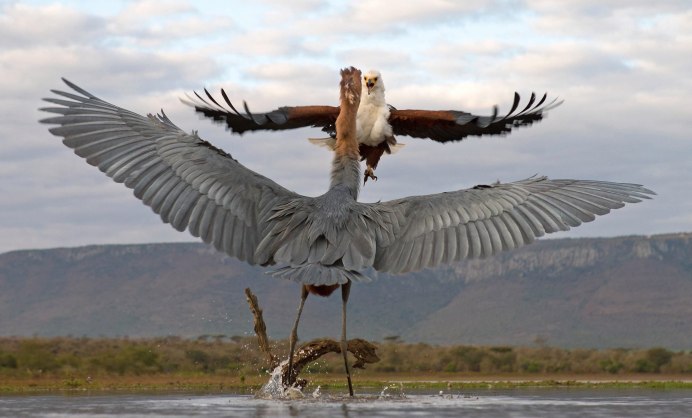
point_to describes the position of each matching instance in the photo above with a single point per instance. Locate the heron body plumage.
(321, 241)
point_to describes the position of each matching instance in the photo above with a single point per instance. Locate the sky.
(621, 66)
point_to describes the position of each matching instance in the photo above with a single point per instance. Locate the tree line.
(239, 356)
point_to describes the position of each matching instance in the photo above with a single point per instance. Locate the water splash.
(275, 388)
(393, 391)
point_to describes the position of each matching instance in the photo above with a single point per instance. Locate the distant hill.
(610, 292)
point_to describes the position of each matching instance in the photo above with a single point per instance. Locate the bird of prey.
(324, 242)
(378, 123)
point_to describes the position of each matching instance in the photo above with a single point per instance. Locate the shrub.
(611, 366)
(658, 357)
(532, 366)
(8, 361)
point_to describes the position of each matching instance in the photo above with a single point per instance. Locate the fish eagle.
(377, 123)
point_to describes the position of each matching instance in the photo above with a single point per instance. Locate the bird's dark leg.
(294, 336)
(372, 155)
(345, 290)
(369, 174)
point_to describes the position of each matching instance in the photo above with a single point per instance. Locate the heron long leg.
(345, 290)
(294, 335)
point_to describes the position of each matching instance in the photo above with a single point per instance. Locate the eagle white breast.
(372, 120)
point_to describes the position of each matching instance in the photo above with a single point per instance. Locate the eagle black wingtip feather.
(249, 114)
(213, 99)
(200, 98)
(228, 101)
(515, 104)
(540, 102)
(529, 104)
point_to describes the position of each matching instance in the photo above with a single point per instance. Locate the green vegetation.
(424, 358)
(223, 362)
(66, 356)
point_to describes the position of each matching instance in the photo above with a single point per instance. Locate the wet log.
(260, 329)
(365, 352)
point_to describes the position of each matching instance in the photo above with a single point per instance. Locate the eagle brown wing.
(286, 117)
(454, 125)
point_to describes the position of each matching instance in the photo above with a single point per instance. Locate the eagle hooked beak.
(370, 84)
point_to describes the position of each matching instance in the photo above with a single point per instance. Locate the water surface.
(522, 402)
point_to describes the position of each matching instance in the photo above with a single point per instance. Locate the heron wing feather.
(191, 184)
(481, 221)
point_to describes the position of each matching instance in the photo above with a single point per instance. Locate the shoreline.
(228, 384)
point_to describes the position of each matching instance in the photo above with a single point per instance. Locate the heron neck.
(346, 174)
(346, 163)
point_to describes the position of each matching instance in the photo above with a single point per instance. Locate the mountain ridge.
(628, 291)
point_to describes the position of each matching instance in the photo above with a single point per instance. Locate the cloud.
(375, 58)
(266, 42)
(318, 29)
(142, 10)
(23, 26)
(296, 6)
(593, 18)
(158, 22)
(379, 14)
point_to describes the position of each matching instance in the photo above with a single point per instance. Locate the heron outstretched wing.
(286, 117)
(443, 228)
(455, 125)
(195, 186)
(191, 184)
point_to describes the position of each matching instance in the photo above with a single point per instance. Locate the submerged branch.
(363, 351)
(260, 329)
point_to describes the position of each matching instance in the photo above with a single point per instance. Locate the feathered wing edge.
(438, 125)
(285, 117)
(478, 222)
(188, 182)
(455, 125)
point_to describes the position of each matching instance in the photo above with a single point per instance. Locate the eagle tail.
(329, 143)
(393, 149)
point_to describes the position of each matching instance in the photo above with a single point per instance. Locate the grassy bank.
(362, 382)
(219, 363)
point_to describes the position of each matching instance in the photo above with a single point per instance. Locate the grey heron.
(324, 242)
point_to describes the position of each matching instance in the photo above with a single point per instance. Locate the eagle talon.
(369, 173)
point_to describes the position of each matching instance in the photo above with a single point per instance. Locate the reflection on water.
(477, 403)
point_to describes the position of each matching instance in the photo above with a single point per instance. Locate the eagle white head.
(372, 83)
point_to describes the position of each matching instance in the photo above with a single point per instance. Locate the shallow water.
(475, 403)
